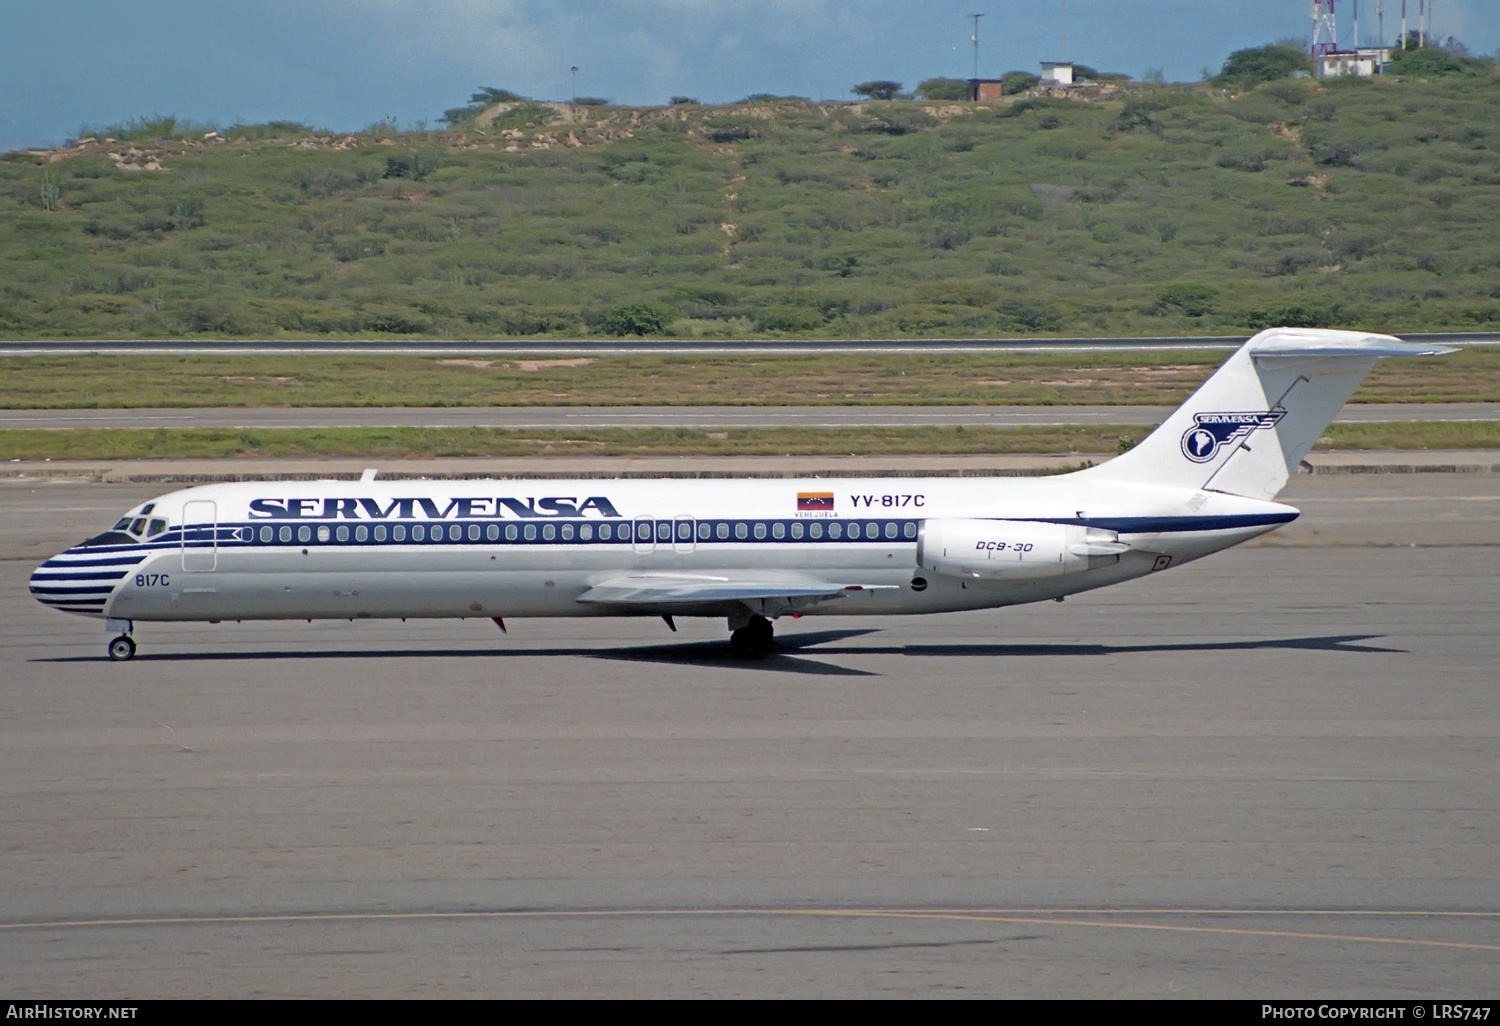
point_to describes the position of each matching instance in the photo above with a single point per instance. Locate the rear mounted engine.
(1014, 550)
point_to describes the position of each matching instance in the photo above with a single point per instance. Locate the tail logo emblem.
(1212, 431)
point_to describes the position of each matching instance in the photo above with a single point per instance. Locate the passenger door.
(200, 535)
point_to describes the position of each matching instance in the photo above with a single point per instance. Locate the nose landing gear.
(122, 647)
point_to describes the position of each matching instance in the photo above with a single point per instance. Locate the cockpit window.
(131, 529)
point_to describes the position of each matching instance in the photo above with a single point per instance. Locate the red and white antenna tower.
(1324, 36)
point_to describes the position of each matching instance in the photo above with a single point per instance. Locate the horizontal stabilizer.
(1319, 343)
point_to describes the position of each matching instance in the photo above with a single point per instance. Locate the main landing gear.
(122, 647)
(753, 640)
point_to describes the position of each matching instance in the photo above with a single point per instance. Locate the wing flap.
(656, 589)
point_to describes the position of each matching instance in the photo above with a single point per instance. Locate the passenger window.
(361, 533)
(548, 532)
(342, 534)
(304, 533)
(605, 531)
(740, 531)
(890, 529)
(705, 532)
(380, 532)
(585, 532)
(492, 532)
(778, 530)
(815, 530)
(796, 530)
(835, 530)
(909, 530)
(418, 532)
(760, 532)
(286, 534)
(530, 532)
(721, 532)
(510, 532)
(567, 532)
(398, 533)
(323, 533)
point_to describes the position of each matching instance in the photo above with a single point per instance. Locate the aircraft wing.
(652, 590)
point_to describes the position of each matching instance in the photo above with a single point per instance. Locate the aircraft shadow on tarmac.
(787, 656)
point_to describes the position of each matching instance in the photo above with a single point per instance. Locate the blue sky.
(344, 64)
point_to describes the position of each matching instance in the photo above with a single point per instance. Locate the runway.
(1269, 774)
(560, 418)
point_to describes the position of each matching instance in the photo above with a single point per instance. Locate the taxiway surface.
(1272, 773)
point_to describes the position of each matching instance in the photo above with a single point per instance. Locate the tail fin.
(1251, 423)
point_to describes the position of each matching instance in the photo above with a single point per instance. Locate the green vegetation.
(1431, 62)
(480, 102)
(440, 442)
(1266, 63)
(1013, 82)
(880, 89)
(943, 89)
(634, 319)
(1151, 209)
(152, 129)
(1084, 73)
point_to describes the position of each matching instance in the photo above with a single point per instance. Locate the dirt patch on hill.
(536, 365)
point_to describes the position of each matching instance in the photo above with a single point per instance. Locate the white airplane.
(747, 550)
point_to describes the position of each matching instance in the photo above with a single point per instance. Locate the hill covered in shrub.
(1143, 209)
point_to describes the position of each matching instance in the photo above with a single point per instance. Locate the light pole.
(975, 40)
(575, 85)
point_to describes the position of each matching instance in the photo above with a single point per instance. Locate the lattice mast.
(1325, 35)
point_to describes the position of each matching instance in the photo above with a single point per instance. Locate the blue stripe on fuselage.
(1177, 525)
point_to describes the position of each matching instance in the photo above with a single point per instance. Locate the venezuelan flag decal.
(814, 502)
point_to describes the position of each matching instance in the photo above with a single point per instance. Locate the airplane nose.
(81, 581)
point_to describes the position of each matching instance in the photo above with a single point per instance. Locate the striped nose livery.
(82, 580)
